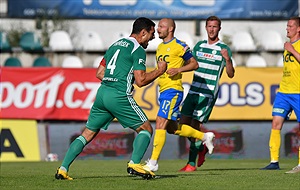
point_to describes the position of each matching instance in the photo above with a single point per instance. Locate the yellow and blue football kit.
(288, 96)
(287, 99)
(175, 53)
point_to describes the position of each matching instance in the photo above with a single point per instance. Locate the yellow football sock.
(274, 143)
(158, 143)
(187, 131)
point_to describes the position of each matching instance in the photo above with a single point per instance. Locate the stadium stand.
(115, 29)
(12, 62)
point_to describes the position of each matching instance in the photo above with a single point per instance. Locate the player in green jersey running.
(212, 56)
(125, 64)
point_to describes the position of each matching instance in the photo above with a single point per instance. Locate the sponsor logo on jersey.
(142, 61)
(110, 79)
(163, 58)
(212, 55)
(122, 43)
(278, 110)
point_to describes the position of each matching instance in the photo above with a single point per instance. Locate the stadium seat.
(97, 61)
(41, 62)
(91, 41)
(72, 61)
(30, 42)
(12, 62)
(271, 40)
(243, 41)
(255, 60)
(60, 41)
(4, 42)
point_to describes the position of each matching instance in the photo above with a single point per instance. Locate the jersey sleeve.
(139, 59)
(103, 62)
(187, 53)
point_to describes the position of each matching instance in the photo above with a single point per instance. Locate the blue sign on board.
(155, 9)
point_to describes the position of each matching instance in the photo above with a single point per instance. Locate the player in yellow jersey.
(178, 55)
(288, 96)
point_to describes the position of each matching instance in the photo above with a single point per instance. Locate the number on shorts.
(166, 105)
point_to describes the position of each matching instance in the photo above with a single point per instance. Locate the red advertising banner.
(292, 142)
(110, 144)
(69, 93)
(227, 142)
(47, 93)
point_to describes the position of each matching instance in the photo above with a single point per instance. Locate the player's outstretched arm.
(142, 78)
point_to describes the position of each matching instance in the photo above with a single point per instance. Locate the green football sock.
(201, 146)
(140, 145)
(74, 150)
(193, 153)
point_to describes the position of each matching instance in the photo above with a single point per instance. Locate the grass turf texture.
(111, 174)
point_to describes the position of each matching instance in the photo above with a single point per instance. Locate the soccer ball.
(51, 157)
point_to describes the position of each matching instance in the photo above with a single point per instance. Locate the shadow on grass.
(198, 172)
(125, 176)
(229, 169)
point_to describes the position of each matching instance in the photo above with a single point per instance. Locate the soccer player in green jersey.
(212, 56)
(124, 64)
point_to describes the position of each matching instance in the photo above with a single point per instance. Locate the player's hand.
(173, 71)
(162, 66)
(224, 53)
(288, 46)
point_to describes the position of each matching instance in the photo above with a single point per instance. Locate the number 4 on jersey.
(112, 62)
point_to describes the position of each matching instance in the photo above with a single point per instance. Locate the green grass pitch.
(215, 174)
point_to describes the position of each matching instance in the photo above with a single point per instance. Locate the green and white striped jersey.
(122, 58)
(211, 65)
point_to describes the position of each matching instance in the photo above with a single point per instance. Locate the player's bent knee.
(146, 126)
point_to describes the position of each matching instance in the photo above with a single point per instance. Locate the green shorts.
(198, 107)
(110, 104)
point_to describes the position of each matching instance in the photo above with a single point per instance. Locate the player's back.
(120, 60)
